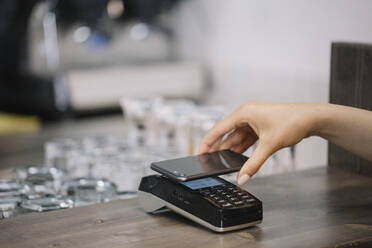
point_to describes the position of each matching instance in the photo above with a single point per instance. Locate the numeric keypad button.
(216, 198)
(249, 201)
(226, 205)
(238, 203)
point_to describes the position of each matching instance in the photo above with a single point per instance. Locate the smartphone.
(200, 166)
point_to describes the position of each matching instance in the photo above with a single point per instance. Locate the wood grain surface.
(314, 208)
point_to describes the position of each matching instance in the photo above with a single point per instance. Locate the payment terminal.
(210, 201)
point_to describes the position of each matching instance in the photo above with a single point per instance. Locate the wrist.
(319, 115)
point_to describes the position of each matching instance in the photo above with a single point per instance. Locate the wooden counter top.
(313, 208)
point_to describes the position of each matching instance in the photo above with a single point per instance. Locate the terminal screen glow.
(202, 183)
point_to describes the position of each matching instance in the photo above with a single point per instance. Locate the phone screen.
(204, 165)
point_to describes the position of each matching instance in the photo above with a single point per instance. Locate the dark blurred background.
(43, 42)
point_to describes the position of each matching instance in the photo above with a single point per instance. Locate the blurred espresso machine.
(66, 56)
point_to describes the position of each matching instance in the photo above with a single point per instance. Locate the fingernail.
(243, 179)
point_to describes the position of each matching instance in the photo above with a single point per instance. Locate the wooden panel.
(351, 85)
(314, 208)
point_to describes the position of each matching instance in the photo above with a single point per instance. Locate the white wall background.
(272, 50)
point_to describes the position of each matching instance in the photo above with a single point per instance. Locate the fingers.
(218, 131)
(263, 151)
(208, 147)
(233, 139)
(216, 145)
(242, 147)
(204, 147)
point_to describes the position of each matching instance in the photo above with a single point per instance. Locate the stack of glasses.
(41, 188)
(96, 169)
(168, 125)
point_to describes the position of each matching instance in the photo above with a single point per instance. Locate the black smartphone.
(199, 166)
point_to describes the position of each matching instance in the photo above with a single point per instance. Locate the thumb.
(263, 151)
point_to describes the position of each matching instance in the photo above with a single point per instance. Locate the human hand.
(273, 125)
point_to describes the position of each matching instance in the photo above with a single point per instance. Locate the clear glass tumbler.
(139, 118)
(87, 191)
(46, 203)
(62, 153)
(41, 180)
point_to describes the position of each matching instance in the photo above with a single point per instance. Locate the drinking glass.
(139, 116)
(87, 191)
(41, 180)
(127, 171)
(46, 203)
(61, 153)
(203, 119)
(173, 122)
(9, 206)
(11, 192)
(13, 187)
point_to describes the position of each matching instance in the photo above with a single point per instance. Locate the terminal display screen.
(203, 183)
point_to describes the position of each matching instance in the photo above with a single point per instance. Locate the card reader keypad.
(228, 196)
